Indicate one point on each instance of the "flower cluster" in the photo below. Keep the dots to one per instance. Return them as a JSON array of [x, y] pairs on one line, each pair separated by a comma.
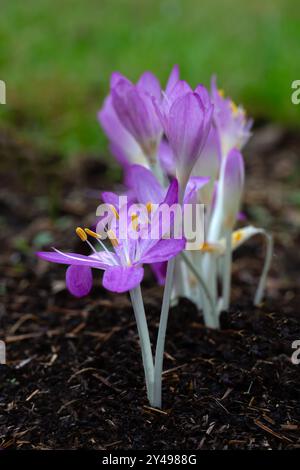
[[177, 146]]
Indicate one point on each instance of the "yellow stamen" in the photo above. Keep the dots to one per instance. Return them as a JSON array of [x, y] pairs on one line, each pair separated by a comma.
[[115, 212], [208, 248], [237, 236], [149, 207], [81, 234], [113, 239], [221, 92], [134, 221], [91, 233]]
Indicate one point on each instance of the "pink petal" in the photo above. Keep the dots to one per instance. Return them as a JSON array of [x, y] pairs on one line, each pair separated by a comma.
[[79, 280], [122, 279], [163, 250], [150, 84], [166, 158], [173, 79], [75, 259], [160, 271], [144, 185]]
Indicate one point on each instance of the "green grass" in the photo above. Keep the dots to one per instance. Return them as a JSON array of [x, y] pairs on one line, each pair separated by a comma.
[[56, 57]]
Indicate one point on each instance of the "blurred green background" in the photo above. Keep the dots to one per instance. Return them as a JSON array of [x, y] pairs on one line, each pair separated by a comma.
[[56, 57]]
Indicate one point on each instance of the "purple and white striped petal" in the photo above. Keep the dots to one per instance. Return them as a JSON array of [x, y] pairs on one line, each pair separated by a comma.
[[100, 261]]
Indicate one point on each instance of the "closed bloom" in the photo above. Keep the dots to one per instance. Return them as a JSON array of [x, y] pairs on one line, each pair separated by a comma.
[[230, 120], [186, 122], [134, 107], [234, 175], [129, 120]]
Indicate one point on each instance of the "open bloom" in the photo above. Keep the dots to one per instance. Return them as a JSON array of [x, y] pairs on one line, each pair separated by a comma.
[[123, 267], [230, 120]]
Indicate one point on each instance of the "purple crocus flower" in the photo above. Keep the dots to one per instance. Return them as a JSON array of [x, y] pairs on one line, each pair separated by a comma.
[[186, 119], [230, 120], [134, 107], [123, 267], [126, 134]]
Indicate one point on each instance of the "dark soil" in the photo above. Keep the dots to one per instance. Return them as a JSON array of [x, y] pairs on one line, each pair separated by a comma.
[[74, 378]]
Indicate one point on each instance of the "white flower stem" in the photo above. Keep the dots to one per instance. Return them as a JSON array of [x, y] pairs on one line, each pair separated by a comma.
[[199, 278], [208, 302], [262, 282], [209, 273], [209, 263], [140, 317], [227, 270], [181, 281], [160, 345]]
